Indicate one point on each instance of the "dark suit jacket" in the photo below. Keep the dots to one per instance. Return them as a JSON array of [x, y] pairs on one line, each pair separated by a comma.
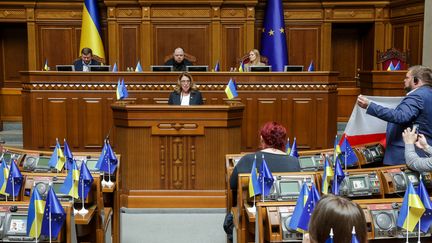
[[195, 98], [79, 65], [178, 66], [415, 108]]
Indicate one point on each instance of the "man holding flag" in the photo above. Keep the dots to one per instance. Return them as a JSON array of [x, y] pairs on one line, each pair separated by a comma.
[[415, 108]]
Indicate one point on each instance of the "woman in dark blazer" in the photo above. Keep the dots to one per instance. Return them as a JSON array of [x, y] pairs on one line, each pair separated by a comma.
[[185, 92]]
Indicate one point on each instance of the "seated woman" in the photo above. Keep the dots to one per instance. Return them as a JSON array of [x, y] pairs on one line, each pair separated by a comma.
[[254, 60], [273, 139], [413, 160], [185, 92], [341, 215]]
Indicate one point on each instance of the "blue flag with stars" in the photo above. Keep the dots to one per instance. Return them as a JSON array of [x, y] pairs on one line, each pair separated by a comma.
[[54, 214], [426, 219], [109, 162], [348, 153], [14, 181], [339, 176], [85, 181], [265, 178], [68, 155], [311, 202], [273, 39]]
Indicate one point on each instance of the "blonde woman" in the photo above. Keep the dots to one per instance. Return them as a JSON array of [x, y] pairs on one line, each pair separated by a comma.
[[254, 60]]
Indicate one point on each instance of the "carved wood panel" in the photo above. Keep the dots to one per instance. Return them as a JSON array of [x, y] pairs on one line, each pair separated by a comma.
[[55, 120], [303, 45], [57, 45], [232, 45], [92, 112], [129, 45]]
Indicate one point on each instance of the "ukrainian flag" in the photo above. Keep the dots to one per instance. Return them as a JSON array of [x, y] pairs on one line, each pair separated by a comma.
[[45, 68], [241, 67], [301, 202], [328, 175], [411, 211], [231, 90], [4, 174], [254, 186], [70, 185], [35, 214], [91, 35], [337, 149], [57, 159]]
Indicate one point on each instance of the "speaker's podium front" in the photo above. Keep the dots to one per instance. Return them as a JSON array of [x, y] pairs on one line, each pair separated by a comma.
[[173, 156]]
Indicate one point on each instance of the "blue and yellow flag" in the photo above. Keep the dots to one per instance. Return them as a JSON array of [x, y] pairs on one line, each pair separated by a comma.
[[411, 211], [241, 67], [327, 176], [85, 181], [54, 215], [231, 89], [35, 214], [45, 67], [288, 147], [254, 186], [70, 184], [115, 68], [68, 155], [138, 67], [391, 67], [301, 202], [57, 159], [336, 149], [4, 173], [91, 35], [311, 67], [15, 180], [121, 91], [294, 151], [426, 219], [309, 207], [273, 38]]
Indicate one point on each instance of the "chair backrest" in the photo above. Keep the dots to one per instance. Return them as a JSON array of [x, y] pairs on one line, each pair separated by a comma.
[[245, 59], [188, 57], [393, 56]]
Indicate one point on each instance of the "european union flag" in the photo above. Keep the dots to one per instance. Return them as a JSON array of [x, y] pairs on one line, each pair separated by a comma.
[[121, 91], [101, 156], [330, 239], [217, 67], [339, 176], [411, 211], [68, 155], [4, 173], [327, 176], [35, 214], [426, 219], [348, 154], [354, 236], [301, 202], [265, 178], [294, 151], [115, 68], [85, 181], [288, 147], [311, 67], [54, 215], [273, 39], [231, 89], [70, 185], [311, 202], [14, 181], [109, 162], [398, 66], [91, 34], [138, 67]]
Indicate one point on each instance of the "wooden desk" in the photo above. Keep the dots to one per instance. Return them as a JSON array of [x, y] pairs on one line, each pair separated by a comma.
[[76, 105]]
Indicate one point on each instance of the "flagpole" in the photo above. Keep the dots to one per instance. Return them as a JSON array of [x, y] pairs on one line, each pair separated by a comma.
[[407, 224], [419, 223], [110, 183], [262, 177], [13, 188], [36, 219], [49, 226]]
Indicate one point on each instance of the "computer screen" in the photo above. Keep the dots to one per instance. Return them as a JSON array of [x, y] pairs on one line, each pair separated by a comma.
[[57, 187], [306, 162], [161, 68], [17, 225], [293, 68], [197, 68], [65, 68], [91, 164], [43, 162], [358, 183], [99, 68], [260, 68], [289, 187]]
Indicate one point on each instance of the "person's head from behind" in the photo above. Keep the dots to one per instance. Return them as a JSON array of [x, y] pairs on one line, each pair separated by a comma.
[[273, 135], [417, 76], [86, 55], [340, 214], [178, 55], [185, 83], [254, 56]]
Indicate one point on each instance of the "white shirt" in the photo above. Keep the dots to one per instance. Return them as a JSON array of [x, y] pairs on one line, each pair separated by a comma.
[[184, 99]]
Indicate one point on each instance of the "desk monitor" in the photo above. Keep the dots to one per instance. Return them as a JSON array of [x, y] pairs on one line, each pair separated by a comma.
[[293, 68], [260, 68], [161, 68], [17, 225], [197, 68], [99, 68], [65, 68]]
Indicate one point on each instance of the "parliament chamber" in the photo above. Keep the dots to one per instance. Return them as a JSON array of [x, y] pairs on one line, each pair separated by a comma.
[[182, 157]]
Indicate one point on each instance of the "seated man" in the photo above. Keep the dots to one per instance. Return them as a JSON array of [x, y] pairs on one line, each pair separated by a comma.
[[178, 61], [86, 60]]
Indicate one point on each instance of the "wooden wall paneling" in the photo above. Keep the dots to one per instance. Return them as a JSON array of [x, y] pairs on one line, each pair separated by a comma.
[[129, 45], [92, 131], [321, 123], [10, 106], [113, 42], [55, 120], [232, 47], [249, 125], [368, 47], [347, 97], [326, 47], [268, 110], [415, 42], [108, 127], [56, 44], [302, 123], [216, 38], [194, 39], [74, 116], [286, 116], [304, 45], [147, 52], [345, 49], [399, 37]]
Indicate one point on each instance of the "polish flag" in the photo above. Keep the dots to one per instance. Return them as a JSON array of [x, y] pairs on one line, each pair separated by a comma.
[[363, 128]]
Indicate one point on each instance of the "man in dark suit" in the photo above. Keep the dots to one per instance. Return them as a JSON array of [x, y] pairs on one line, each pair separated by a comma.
[[178, 60], [415, 108], [85, 61]]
